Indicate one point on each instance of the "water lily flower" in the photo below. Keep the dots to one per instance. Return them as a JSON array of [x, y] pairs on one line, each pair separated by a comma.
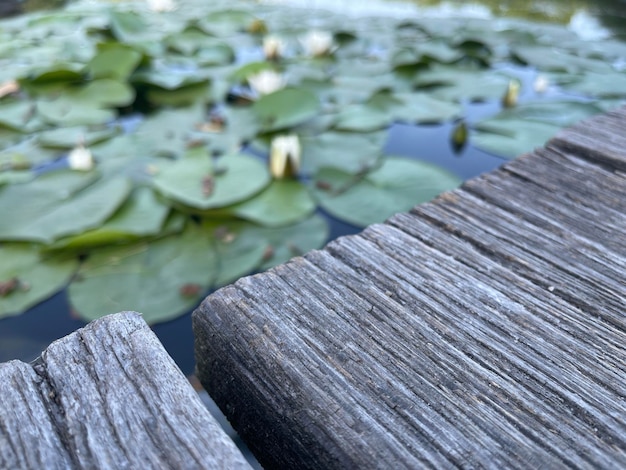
[[8, 88], [541, 84], [80, 158], [266, 82], [511, 95], [317, 43], [273, 47], [285, 156], [161, 5]]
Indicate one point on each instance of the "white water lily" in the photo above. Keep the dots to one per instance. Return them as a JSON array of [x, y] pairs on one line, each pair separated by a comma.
[[273, 47], [266, 82], [317, 43], [285, 156], [541, 84], [161, 5], [80, 158]]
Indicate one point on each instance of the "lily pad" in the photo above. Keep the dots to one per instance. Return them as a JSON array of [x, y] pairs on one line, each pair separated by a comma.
[[240, 250], [142, 215], [57, 204], [512, 137], [27, 278], [362, 118], [114, 60], [167, 132], [293, 240], [70, 137], [347, 151], [86, 105], [19, 116], [286, 108], [396, 186], [162, 279], [282, 203], [196, 182]]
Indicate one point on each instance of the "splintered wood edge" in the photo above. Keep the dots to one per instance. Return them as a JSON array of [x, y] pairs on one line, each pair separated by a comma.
[[108, 395]]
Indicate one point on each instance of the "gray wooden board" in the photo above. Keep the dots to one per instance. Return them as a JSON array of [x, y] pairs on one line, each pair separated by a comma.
[[483, 329], [107, 396]]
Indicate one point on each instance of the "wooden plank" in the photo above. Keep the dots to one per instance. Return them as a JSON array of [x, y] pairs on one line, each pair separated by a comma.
[[483, 329], [107, 396], [601, 139]]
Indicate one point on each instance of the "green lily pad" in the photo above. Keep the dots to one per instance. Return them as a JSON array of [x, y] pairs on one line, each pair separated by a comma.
[[362, 118], [550, 58], [86, 105], [251, 68], [600, 85], [162, 279], [182, 96], [19, 116], [283, 202], [70, 137], [347, 151], [195, 182], [128, 26], [286, 108], [114, 60], [11, 177], [512, 137], [240, 250], [293, 240], [560, 113], [142, 215], [27, 278], [396, 186], [422, 108], [455, 84], [167, 132], [226, 22], [25, 155], [58, 204]]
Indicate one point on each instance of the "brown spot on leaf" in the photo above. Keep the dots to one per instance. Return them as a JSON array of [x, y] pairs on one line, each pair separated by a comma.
[[190, 290], [8, 287]]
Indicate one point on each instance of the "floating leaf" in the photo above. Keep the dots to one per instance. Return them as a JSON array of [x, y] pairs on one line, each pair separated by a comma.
[[69, 137], [57, 204], [114, 60], [167, 132], [600, 85], [140, 216], [283, 202], [293, 240], [194, 181], [27, 278], [162, 279], [286, 108], [512, 137], [362, 118], [396, 186], [239, 248], [86, 105], [347, 151], [18, 116]]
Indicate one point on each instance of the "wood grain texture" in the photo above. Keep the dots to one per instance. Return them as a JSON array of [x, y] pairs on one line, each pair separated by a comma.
[[107, 396], [485, 329]]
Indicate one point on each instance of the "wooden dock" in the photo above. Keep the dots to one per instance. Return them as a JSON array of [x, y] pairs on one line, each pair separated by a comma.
[[485, 329], [107, 397]]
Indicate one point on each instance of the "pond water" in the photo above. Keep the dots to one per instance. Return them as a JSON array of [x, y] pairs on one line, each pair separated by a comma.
[[24, 336]]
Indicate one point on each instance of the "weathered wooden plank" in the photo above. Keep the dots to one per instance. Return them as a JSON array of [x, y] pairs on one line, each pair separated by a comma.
[[483, 329], [107, 396], [28, 435], [601, 139]]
